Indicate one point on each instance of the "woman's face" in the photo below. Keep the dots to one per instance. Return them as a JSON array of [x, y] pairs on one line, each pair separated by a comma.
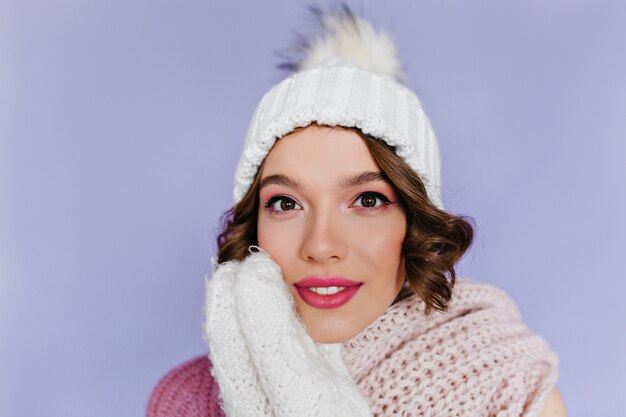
[[325, 211]]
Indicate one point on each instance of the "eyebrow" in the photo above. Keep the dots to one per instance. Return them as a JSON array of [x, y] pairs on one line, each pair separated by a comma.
[[345, 182]]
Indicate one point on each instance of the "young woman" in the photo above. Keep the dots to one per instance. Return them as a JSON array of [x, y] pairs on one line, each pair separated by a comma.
[[335, 292]]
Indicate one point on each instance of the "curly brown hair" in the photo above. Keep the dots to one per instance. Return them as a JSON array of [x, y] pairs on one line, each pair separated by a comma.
[[434, 242]]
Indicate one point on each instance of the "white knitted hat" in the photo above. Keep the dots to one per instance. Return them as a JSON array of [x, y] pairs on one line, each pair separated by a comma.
[[348, 78]]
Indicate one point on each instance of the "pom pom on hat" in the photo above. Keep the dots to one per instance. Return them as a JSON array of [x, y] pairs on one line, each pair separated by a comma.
[[349, 38]]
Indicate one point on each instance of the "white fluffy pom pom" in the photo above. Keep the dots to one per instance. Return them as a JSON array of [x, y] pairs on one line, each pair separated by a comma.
[[347, 37]]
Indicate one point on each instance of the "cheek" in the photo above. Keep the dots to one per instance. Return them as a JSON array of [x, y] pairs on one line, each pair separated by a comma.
[[383, 263], [381, 242], [277, 238]]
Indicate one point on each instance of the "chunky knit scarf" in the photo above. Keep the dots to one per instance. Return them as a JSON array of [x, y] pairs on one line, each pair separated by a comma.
[[476, 359]]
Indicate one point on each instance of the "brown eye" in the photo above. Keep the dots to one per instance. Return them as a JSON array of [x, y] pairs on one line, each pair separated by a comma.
[[281, 203], [371, 200], [368, 200], [287, 204]]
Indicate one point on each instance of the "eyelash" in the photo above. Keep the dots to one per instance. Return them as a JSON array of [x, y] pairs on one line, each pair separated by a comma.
[[385, 202]]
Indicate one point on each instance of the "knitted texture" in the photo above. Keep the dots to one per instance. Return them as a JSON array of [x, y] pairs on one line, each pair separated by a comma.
[[342, 94], [476, 359], [189, 390]]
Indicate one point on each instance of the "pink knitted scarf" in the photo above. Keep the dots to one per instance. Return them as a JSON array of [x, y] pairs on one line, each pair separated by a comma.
[[476, 359]]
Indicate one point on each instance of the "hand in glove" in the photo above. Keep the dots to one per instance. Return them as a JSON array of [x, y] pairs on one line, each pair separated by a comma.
[[264, 361]]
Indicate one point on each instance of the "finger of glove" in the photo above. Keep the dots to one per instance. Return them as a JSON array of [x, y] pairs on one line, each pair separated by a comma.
[[239, 383], [297, 379]]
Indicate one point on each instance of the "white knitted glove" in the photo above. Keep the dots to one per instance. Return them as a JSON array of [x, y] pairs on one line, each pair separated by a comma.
[[264, 361]]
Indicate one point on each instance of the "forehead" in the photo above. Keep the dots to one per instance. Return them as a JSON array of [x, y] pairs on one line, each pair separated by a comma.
[[319, 149]]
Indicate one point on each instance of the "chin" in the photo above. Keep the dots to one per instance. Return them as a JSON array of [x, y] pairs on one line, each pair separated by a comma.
[[330, 339], [320, 335]]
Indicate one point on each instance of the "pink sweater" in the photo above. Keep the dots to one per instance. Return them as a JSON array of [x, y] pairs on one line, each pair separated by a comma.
[[476, 359], [186, 391]]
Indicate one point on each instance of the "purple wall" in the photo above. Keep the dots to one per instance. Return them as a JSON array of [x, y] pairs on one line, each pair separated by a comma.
[[121, 125]]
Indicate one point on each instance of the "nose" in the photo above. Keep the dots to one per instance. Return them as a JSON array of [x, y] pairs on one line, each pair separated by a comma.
[[324, 238]]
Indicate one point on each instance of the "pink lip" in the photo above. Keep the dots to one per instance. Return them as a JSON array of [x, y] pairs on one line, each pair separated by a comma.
[[329, 300]]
